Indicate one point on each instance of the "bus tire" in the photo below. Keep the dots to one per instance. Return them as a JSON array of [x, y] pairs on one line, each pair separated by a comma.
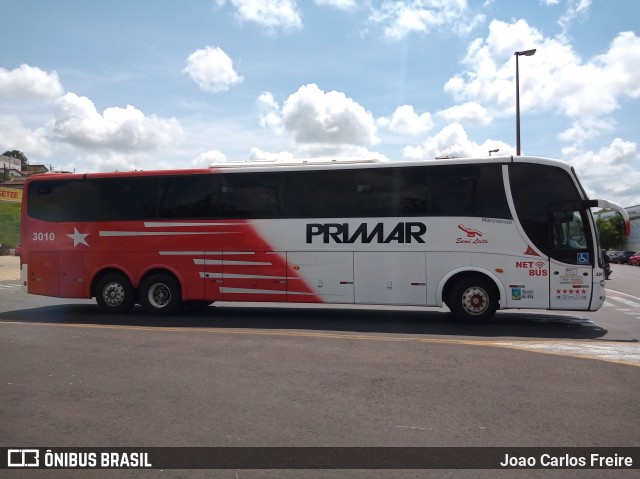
[[160, 294], [114, 293], [473, 300]]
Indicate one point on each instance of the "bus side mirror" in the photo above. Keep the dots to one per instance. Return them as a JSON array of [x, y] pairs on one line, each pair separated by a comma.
[[618, 208]]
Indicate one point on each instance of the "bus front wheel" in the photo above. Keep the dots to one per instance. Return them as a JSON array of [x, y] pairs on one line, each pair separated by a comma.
[[114, 293], [160, 294], [473, 300]]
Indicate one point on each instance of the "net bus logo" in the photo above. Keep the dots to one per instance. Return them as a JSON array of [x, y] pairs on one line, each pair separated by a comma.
[[23, 458], [538, 270]]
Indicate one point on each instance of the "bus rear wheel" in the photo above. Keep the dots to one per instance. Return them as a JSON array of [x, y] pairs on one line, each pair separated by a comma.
[[473, 300], [114, 293], [160, 294]]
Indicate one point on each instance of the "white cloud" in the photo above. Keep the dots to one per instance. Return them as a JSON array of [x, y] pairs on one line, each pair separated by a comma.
[[453, 141], [106, 161], [490, 78], [554, 80], [15, 136], [341, 4], [319, 150], [270, 113], [212, 69], [270, 14], [256, 154], [405, 121], [122, 129], [586, 129], [401, 18], [471, 112], [204, 160], [316, 117], [613, 172], [27, 82], [577, 9]]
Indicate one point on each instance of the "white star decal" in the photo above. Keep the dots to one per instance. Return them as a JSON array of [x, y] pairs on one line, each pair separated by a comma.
[[78, 238]]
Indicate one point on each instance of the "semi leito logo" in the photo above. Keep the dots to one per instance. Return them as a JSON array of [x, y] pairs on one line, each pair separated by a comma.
[[474, 236], [471, 233]]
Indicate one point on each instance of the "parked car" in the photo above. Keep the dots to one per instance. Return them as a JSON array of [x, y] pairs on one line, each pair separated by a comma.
[[635, 259], [4, 249], [623, 257], [612, 253], [18, 251]]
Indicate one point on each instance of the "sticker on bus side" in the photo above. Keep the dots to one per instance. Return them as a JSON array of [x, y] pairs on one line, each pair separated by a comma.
[[339, 233]]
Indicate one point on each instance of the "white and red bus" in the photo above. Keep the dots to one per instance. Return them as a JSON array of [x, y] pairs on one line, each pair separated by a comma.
[[476, 234]]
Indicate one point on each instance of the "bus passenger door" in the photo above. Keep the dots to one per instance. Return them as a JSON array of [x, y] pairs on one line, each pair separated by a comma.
[[572, 261]]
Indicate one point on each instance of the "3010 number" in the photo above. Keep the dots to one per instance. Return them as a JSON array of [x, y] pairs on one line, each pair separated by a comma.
[[44, 236]]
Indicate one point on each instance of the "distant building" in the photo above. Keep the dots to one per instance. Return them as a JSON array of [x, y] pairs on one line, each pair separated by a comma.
[[36, 169], [633, 241], [8, 163], [12, 172], [15, 182]]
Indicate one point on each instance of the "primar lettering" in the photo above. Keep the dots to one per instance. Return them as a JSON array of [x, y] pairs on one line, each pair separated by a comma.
[[340, 233]]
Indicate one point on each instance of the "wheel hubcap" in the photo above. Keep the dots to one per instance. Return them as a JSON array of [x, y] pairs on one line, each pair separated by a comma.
[[113, 294], [475, 300], [159, 295]]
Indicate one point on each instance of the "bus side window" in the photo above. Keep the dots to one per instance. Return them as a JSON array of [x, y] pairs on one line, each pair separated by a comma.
[[567, 229], [190, 197], [543, 196], [74, 200], [127, 199], [321, 194], [252, 195]]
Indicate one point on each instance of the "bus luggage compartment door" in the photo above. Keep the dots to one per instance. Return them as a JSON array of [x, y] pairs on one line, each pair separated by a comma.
[[71, 276], [329, 275], [43, 273], [391, 278]]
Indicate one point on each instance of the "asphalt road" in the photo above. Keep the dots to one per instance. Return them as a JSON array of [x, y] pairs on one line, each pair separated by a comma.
[[286, 376]]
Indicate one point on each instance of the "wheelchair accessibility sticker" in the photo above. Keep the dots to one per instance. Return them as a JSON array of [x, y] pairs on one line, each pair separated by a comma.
[[583, 258]]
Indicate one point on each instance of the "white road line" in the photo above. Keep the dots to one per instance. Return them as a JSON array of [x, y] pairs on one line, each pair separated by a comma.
[[625, 301], [623, 294], [9, 286]]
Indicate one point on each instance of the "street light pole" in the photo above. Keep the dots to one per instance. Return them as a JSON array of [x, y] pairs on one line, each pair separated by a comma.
[[526, 53]]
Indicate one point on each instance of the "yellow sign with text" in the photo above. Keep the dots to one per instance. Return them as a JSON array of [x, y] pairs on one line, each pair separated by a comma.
[[10, 195]]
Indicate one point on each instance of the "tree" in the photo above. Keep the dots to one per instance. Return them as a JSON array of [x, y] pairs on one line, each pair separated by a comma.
[[611, 232], [19, 156]]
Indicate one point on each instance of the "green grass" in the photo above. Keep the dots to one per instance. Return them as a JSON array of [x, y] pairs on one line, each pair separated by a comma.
[[10, 224]]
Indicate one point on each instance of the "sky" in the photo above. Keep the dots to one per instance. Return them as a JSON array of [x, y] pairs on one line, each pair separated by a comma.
[[89, 85]]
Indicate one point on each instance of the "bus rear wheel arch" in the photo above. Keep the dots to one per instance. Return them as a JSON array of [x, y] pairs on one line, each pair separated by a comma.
[[114, 293], [160, 294], [473, 299]]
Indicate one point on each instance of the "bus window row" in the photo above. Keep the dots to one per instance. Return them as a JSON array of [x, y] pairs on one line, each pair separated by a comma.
[[448, 190]]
